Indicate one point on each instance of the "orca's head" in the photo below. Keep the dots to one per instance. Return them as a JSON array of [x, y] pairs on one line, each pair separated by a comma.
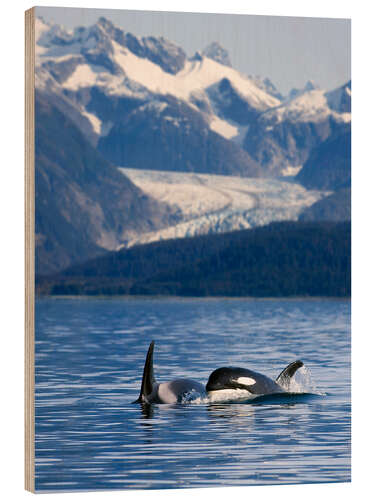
[[230, 378]]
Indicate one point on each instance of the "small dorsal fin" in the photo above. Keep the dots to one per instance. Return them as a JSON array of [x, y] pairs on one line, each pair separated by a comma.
[[148, 379], [288, 372]]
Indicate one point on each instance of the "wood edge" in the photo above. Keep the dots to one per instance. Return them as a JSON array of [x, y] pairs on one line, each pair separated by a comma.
[[29, 206]]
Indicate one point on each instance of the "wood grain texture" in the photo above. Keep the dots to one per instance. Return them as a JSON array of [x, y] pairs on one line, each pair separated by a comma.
[[29, 247]]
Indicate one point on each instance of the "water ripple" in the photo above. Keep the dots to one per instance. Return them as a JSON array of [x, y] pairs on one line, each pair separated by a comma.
[[89, 361]]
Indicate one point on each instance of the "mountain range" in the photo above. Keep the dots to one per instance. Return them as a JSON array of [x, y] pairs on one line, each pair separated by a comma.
[[107, 99]]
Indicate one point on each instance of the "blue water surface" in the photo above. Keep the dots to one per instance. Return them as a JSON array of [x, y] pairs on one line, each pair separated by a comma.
[[89, 362]]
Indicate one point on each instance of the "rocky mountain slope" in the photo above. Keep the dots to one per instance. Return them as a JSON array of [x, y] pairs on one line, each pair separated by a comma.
[[84, 205], [329, 167], [170, 135], [335, 207], [329, 164]]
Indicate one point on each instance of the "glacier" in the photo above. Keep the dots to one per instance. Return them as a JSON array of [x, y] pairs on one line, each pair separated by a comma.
[[207, 203]]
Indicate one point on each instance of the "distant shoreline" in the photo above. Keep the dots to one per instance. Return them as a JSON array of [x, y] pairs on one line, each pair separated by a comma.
[[185, 298]]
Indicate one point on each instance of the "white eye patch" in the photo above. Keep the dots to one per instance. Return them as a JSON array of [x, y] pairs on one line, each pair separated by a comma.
[[246, 381]]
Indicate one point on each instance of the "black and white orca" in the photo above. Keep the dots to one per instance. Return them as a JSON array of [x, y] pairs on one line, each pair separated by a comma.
[[226, 383], [231, 382], [166, 392]]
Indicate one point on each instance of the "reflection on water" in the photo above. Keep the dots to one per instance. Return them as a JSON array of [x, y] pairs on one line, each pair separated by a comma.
[[89, 363]]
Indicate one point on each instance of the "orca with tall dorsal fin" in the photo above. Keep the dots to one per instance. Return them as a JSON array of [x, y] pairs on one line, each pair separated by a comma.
[[166, 392], [226, 383]]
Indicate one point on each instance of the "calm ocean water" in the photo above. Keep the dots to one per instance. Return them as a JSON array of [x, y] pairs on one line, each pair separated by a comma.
[[89, 362]]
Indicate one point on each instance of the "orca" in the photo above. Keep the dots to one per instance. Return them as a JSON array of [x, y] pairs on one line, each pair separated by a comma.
[[225, 383], [229, 382], [166, 392]]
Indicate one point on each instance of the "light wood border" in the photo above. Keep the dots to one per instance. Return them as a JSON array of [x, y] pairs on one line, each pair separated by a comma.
[[29, 247]]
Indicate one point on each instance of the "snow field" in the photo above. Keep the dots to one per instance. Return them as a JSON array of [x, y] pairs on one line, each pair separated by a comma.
[[216, 204]]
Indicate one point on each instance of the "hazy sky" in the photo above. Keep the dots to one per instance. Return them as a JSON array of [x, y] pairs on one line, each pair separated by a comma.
[[288, 50]]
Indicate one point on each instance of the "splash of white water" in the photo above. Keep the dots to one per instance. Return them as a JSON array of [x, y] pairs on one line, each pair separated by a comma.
[[302, 382]]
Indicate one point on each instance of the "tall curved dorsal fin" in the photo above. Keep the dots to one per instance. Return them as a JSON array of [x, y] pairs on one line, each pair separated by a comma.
[[288, 372], [148, 379]]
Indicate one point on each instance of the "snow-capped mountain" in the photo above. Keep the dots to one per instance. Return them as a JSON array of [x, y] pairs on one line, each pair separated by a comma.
[[105, 56], [285, 135], [102, 59], [311, 106], [57, 42], [101, 75], [141, 103]]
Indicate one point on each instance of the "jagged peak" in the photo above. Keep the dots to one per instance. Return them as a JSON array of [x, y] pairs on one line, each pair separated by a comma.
[[151, 42], [268, 86], [197, 56], [159, 42], [49, 33], [105, 23], [311, 85], [339, 99], [216, 52], [98, 37]]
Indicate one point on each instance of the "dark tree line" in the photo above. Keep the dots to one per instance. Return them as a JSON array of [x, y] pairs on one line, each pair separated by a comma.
[[281, 259]]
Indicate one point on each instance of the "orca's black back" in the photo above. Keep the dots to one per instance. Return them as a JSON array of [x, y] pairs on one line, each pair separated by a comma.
[[229, 377]]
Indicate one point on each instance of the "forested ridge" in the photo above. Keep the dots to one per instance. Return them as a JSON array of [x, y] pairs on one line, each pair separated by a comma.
[[281, 259]]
